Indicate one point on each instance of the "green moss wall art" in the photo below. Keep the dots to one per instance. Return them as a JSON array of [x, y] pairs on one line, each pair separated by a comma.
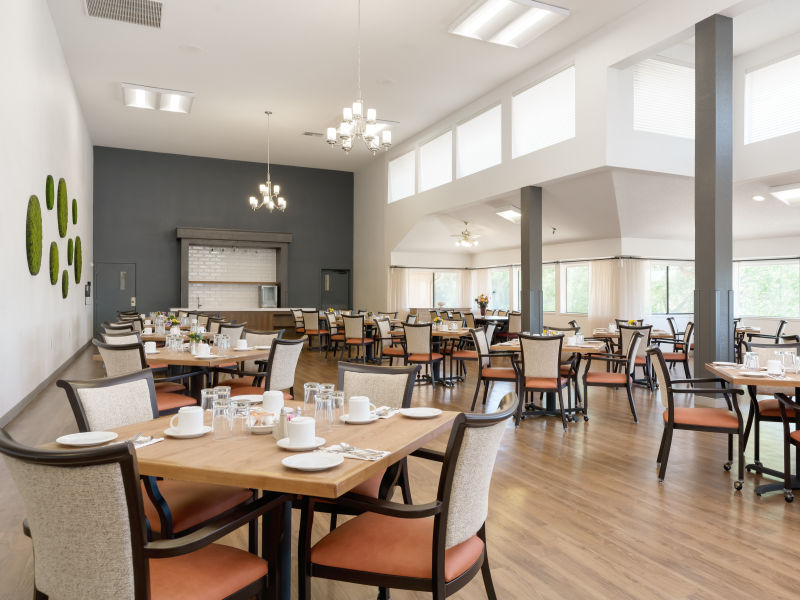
[[53, 263], [62, 208], [33, 235], [70, 250], [49, 194], [64, 283], [78, 260], [74, 211]]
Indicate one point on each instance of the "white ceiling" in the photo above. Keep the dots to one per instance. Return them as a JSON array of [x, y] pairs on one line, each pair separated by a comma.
[[297, 59]]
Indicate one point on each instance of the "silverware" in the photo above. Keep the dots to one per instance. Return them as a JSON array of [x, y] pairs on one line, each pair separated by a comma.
[[136, 437]]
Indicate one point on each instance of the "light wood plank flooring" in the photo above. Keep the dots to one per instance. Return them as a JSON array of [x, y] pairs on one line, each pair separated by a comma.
[[576, 514]]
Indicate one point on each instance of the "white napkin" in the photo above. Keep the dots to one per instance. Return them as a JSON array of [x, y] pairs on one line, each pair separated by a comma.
[[357, 453], [138, 445], [386, 412]]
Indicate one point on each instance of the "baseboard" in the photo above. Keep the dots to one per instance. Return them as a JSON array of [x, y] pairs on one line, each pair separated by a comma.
[[20, 406]]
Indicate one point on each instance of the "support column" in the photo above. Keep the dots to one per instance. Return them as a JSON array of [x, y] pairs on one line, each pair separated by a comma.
[[713, 190], [531, 246]]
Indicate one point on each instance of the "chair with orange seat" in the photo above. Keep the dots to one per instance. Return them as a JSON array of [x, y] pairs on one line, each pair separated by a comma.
[[540, 371], [681, 354], [335, 337], [355, 337], [254, 338], [96, 492], [275, 373], [486, 372], [419, 349], [626, 333], [436, 547], [715, 420], [313, 328], [389, 347], [613, 379], [790, 415]]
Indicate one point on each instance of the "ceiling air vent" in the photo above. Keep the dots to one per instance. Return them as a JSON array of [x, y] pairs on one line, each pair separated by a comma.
[[136, 12], [313, 134]]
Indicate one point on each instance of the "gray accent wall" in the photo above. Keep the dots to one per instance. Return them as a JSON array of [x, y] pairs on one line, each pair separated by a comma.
[[141, 198]]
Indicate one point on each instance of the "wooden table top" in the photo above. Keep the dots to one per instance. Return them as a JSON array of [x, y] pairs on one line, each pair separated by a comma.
[[162, 337], [254, 461], [654, 333], [585, 348], [491, 318], [451, 333], [733, 375], [171, 357]]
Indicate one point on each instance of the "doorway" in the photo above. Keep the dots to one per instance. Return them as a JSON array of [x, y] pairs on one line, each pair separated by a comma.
[[115, 290], [335, 289]]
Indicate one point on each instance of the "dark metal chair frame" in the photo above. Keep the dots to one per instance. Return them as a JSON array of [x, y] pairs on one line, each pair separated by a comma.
[[524, 406], [625, 363]]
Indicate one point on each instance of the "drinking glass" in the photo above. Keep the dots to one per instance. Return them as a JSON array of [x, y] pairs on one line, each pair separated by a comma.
[[579, 337], [240, 416], [337, 405], [751, 360], [223, 392], [323, 411], [207, 398], [221, 419], [326, 388], [309, 391]]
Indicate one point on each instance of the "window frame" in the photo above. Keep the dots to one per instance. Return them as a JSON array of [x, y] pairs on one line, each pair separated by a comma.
[[669, 264], [565, 286], [456, 136]]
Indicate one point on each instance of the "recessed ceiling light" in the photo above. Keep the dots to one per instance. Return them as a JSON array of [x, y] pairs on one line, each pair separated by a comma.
[[788, 194], [759, 198], [510, 214], [512, 23], [142, 96]]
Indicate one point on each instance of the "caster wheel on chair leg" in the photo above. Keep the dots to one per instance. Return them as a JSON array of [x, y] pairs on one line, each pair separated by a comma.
[[585, 417], [759, 464], [737, 485], [788, 496], [727, 466]]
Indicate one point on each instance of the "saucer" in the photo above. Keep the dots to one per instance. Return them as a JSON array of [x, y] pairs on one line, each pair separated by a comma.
[[284, 443], [261, 429], [346, 419], [313, 461], [251, 398], [241, 349], [420, 412], [204, 355], [87, 438], [172, 432]]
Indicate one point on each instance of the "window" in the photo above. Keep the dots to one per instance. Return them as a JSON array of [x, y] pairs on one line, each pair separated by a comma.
[[500, 283], [478, 143], [447, 288], [576, 289], [420, 289], [544, 114], [401, 177], [768, 289], [549, 289], [436, 162], [772, 100], [663, 98], [671, 288]]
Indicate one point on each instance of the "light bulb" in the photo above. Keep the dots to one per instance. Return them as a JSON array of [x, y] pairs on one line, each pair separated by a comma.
[[276, 189], [386, 138], [281, 202], [372, 115], [331, 135], [347, 114], [357, 110], [262, 188], [253, 201]]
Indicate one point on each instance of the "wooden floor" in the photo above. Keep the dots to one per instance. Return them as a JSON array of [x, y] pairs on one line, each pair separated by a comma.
[[576, 514]]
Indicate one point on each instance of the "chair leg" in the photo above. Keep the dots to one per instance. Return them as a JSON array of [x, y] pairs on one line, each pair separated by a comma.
[[405, 485], [334, 516], [520, 406], [740, 470], [485, 393], [756, 443], [485, 570], [787, 471], [561, 406], [661, 446], [585, 400], [433, 379], [665, 453], [383, 594], [686, 366], [631, 402]]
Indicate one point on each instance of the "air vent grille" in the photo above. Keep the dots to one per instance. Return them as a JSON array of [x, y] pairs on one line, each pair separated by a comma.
[[312, 133], [136, 12]]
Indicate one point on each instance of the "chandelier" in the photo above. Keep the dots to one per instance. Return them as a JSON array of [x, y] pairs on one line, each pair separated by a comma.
[[466, 239], [355, 123], [269, 191]]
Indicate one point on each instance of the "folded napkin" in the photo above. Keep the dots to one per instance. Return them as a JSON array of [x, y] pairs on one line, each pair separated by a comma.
[[358, 453], [386, 412], [142, 444]]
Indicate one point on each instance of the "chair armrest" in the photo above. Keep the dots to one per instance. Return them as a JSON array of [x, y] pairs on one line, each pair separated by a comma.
[[701, 380], [215, 529], [26, 528], [608, 357], [765, 336], [718, 391], [500, 353], [429, 454], [388, 508], [177, 377]]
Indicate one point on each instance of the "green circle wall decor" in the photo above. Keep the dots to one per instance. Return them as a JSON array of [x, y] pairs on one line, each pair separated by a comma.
[[78, 259], [64, 283], [74, 211], [33, 235], [53, 263], [70, 250], [49, 195], [61, 208]]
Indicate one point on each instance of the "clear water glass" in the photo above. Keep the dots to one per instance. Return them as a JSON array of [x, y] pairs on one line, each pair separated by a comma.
[[221, 419], [337, 405], [207, 398], [310, 390], [323, 411], [326, 388], [240, 416], [223, 392]]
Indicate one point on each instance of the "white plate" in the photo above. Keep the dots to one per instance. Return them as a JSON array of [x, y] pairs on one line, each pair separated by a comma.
[[346, 419], [420, 412], [313, 461], [205, 356], [260, 429], [87, 438], [172, 432], [153, 352], [753, 373], [261, 347], [722, 363], [284, 443], [241, 349], [251, 398]]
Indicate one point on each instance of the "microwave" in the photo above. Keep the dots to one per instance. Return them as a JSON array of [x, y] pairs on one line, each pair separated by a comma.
[[268, 296]]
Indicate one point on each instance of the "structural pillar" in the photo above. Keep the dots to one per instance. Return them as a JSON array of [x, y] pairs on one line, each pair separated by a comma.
[[713, 191], [531, 269]]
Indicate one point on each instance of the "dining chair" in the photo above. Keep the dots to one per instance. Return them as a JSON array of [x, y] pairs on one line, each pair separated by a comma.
[[125, 337], [574, 324], [312, 327], [116, 327], [182, 314], [233, 330], [419, 349], [254, 338], [134, 320], [334, 336], [172, 507], [388, 315], [766, 410], [275, 373], [432, 314], [683, 355], [130, 358], [388, 346], [716, 420], [764, 336], [436, 547], [202, 320], [626, 334], [355, 337], [540, 371], [299, 325], [486, 372], [514, 326], [86, 519], [613, 379], [214, 324], [790, 415], [469, 320]]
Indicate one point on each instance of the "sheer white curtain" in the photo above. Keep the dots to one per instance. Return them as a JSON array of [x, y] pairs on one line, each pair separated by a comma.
[[398, 291], [466, 290], [634, 289], [480, 285], [603, 285]]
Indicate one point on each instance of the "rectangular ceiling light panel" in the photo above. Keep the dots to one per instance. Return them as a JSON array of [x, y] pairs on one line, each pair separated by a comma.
[[510, 214], [142, 96], [788, 194], [513, 23]]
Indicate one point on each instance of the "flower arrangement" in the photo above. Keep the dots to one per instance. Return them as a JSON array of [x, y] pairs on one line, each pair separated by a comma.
[[632, 322], [546, 332], [482, 300], [174, 321], [437, 320], [330, 310], [196, 337], [370, 314]]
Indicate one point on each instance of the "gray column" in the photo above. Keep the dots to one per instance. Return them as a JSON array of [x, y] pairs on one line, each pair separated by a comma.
[[713, 187], [531, 243]]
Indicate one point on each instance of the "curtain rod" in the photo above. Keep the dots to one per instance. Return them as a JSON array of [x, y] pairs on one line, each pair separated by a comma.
[[555, 262]]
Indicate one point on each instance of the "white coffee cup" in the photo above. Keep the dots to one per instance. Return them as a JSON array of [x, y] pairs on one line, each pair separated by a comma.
[[201, 329], [302, 431], [149, 347], [572, 340], [148, 322], [273, 401], [190, 420], [203, 349], [241, 344], [148, 331], [774, 367], [358, 408]]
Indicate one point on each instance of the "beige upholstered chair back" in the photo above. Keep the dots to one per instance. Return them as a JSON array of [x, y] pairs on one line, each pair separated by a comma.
[[121, 360], [182, 314], [258, 338], [202, 320], [541, 355], [285, 354], [214, 325], [310, 320], [120, 339], [469, 320], [232, 331], [418, 339], [501, 313], [662, 375], [687, 337], [117, 328], [80, 527], [333, 327], [635, 345], [353, 327], [514, 322], [626, 333], [490, 327], [384, 329], [432, 314], [382, 389], [482, 344], [411, 319], [387, 315]]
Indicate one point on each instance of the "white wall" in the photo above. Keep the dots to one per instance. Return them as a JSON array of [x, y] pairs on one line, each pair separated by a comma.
[[43, 132]]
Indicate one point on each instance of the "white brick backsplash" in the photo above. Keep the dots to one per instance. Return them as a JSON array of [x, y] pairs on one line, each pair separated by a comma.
[[211, 263]]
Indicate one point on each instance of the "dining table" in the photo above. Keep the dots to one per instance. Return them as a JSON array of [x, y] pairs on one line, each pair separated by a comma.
[[738, 375], [162, 337], [606, 334], [255, 461]]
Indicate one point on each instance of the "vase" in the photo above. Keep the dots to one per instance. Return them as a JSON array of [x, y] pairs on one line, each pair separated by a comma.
[[483, 311]]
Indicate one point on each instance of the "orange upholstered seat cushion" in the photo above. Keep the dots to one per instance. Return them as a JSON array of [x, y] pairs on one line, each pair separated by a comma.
[[168, 387], [705, 417], [795, 435], [425, 357], [465, 354], [393, 351], [170, 401], [565, 369], [312, 332], [607, 378], [300, 329], [674, 356], [193, 503], [392, 546], [499, 373], [769, 408], [371, 486], [337, 337], [247, 391], [544, 383], [215, 571], [239, 382], [356, 341], [640, 361]]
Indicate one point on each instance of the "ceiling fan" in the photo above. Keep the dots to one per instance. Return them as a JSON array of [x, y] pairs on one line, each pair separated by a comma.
[[466, 239]]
